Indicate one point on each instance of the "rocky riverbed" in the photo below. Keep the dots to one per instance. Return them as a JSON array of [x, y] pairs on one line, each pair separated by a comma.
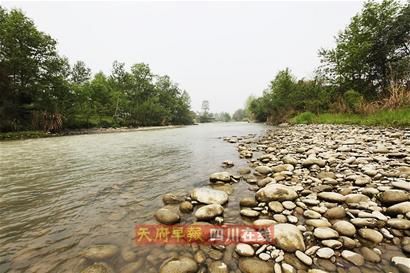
[[338, 198]]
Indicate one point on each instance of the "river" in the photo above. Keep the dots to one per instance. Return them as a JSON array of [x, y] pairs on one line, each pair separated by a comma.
[[60, 195]]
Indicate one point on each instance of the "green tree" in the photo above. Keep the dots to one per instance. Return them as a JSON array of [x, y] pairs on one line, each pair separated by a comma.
[[35, 72], [372, 50], [80, 73]]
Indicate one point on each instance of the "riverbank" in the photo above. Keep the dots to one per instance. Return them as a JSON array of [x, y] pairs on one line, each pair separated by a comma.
[[41, 134], [394, 118], [337, 196]]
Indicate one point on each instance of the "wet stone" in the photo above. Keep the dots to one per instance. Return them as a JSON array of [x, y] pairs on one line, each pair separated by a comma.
[[100, 252]]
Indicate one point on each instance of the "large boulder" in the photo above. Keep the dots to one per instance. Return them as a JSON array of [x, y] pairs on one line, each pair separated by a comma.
[[209, 196], [276, 192], [288, 237], [209, 212]]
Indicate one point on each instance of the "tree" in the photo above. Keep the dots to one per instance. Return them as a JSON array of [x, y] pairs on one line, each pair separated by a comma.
[[35, 72], [372, 50], [205, 116], [80, 73], [205, 107], [39, 90], [239, 115]]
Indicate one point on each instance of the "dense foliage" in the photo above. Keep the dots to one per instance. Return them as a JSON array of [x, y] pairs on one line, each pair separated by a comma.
[[40, 90], [371, 55]]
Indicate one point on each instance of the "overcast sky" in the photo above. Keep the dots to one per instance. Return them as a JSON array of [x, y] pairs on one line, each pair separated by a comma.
[[217, 51]]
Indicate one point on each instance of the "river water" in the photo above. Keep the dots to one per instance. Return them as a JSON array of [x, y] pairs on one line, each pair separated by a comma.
[[60, 195]]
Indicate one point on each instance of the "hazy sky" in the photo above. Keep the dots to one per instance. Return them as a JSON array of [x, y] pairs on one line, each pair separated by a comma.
[[219, 51]]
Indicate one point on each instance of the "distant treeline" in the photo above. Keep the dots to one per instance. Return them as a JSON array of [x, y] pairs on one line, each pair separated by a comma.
[[40, 90], [367, 71]]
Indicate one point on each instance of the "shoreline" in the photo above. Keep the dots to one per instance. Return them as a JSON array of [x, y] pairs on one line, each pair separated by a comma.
[[22, 135], [336, 196]]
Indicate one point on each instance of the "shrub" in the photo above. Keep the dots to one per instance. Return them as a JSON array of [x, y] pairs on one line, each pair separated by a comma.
[[304, 118], [353, 100]]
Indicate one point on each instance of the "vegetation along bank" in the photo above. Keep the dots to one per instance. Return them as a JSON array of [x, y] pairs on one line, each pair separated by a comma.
[[365, 79]]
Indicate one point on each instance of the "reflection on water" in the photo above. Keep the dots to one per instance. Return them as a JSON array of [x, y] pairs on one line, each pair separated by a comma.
[[59, 195]]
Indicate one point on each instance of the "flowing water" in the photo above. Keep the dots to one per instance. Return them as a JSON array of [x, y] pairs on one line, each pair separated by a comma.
[[60, 195]]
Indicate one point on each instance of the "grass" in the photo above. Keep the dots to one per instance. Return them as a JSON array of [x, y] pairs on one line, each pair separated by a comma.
[[395, 118], [23, 135]]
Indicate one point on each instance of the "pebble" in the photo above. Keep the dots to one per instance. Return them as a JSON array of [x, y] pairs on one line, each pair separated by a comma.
[[244, 250], [353, 257], [371, 235], [303, 257], [325, 252], [325, 233]]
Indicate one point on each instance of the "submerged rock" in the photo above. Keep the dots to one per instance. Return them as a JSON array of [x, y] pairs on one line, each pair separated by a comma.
[[181, 265], [248, 202], [132, 267], [167, 216], [100, 252], [98, 268], [218, 267]]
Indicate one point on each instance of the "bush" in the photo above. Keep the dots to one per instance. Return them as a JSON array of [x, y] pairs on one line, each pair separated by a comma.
[[304, 118], [353, 100]]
